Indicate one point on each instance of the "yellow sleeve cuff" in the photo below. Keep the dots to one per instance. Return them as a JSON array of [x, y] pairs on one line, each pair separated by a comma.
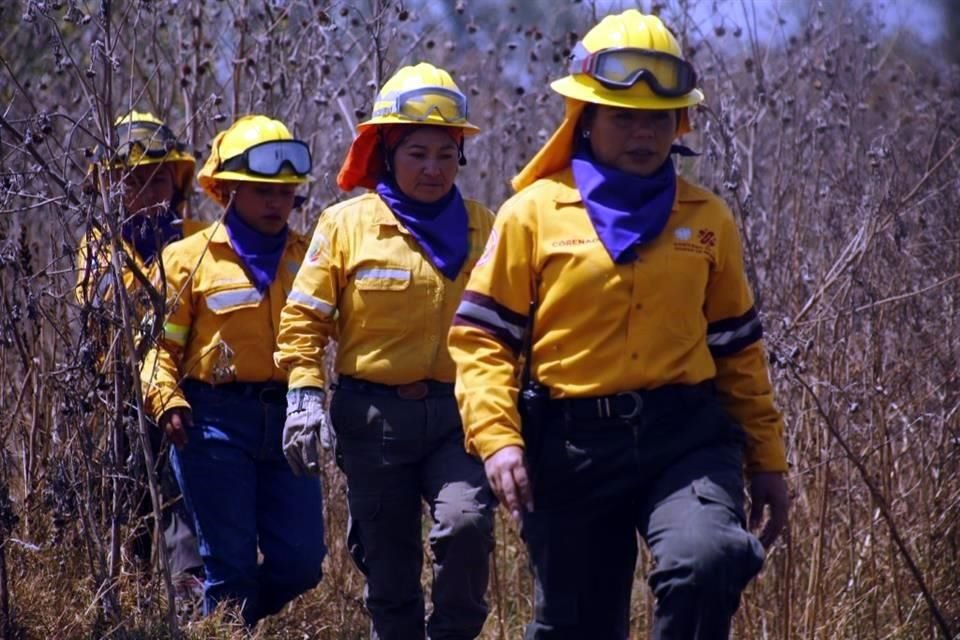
[[304, 377]]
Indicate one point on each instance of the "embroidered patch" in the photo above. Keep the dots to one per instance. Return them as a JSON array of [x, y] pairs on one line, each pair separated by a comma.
[[703, 243], [319, 248]]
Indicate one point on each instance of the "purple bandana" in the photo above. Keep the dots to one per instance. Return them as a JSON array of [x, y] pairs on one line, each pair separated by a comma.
[[625, 209], [259, 252], [440, 228], [149, 234]]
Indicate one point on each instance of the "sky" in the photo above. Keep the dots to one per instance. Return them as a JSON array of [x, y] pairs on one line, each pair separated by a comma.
[[919, 16]]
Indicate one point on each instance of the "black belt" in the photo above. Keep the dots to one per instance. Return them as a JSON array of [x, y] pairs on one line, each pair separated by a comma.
[[628, 405], [412, 391], [265, 392]]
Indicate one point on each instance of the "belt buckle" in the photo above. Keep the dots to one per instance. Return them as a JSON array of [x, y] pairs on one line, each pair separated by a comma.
[[637, 404], [414, 391]]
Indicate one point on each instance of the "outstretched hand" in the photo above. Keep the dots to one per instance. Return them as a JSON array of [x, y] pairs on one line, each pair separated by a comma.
[[508, 478]]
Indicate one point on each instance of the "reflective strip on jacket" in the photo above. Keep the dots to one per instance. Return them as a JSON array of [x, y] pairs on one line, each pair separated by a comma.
[[366, 281], [681, 313], [219, 327]]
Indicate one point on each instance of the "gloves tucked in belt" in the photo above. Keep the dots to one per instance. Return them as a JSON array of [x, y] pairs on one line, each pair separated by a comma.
[[306, 423]]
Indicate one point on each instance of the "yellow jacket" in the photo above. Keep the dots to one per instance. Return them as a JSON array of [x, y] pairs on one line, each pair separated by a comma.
[[681, 313], [219, 328], [94, 282], [366, 281]]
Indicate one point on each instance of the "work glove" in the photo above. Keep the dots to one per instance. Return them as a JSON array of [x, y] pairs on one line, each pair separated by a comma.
[[306, 421]]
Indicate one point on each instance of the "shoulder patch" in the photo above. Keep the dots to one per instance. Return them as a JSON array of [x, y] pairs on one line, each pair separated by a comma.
[[319, 248]]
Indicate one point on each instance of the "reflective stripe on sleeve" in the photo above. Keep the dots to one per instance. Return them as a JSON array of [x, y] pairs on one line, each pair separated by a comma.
[[485, 313], [728, 336], [298, 297], [176, 333]]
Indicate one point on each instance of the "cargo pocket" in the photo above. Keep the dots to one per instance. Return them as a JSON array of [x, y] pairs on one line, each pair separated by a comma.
[[709, 492], [741, 550]]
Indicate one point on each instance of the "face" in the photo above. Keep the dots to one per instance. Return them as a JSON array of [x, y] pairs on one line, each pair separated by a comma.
[[263, 205], [635, 141], [425, 164], [148, 188]]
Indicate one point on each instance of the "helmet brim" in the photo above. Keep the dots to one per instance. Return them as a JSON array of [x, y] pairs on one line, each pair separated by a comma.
[[469, 129], [640, 96]]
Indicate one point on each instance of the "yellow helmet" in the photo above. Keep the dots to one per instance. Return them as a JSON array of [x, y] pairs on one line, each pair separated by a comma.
[[255, 148], [144, 139], [630, 60], [421, 94]]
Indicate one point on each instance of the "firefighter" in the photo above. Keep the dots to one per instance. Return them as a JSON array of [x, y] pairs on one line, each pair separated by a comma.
[[645, 394], [384, 274], [154, 171], [211, 383]]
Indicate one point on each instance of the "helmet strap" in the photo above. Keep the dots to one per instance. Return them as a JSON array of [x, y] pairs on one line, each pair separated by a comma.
[[461, 158]]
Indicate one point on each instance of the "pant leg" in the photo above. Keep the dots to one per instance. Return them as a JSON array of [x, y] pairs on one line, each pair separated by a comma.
[[581, 536], [183, 554], [217, 472], [380, 440], [455, 486], [693, 522], [289, 524]]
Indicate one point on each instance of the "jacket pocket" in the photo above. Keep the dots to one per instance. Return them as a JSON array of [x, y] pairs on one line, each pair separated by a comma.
[[225, 300], [384, 295]]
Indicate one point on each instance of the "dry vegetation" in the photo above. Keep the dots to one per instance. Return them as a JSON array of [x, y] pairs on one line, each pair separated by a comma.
[[835, 143]]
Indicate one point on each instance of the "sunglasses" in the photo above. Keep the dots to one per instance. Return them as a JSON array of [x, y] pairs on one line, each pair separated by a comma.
[[622, 67], [419, 104], [271, 158]]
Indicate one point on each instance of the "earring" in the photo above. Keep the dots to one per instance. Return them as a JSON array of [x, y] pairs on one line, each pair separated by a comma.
[[585, 134]]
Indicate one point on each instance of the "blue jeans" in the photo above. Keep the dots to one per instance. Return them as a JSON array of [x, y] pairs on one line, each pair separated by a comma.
[[396, 454], [676, 478], [244, 497]]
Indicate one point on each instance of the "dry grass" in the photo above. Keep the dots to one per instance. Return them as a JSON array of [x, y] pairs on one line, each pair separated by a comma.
[[835, 143]]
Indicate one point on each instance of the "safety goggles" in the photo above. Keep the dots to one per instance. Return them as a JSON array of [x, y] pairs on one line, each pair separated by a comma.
[[419, 104], [622, 67], [271, 157], [136, 140]]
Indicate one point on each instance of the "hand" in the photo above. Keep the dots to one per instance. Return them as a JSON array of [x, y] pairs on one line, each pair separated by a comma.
[[769, 489], [175, 423], [306, 420], [508, 478]]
